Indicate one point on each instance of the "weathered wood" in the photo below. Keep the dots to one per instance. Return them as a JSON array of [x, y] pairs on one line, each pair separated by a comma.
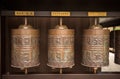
[[63, 76]]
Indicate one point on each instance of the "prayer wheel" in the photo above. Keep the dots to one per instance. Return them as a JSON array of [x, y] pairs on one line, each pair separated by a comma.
[[25, 47], [117, 46], [61, 47], [95, 47]]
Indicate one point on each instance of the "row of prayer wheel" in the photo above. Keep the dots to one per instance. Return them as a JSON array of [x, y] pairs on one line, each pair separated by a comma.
[[25, 47]]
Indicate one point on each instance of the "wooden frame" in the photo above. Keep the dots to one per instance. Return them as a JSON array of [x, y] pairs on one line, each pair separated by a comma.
[[58, 76], [63, 76], [0, 48]]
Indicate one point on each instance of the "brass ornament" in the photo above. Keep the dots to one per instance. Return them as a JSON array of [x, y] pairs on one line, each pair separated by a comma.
[[95, 47], [25, 47], [61, 47]]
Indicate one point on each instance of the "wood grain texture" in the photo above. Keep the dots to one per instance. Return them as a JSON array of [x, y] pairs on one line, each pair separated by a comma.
[[63, 76]]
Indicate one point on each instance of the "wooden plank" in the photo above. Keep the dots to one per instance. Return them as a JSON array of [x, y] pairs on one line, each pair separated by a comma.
[[0, 47], [63, 76], [113, 14], [61, 13]]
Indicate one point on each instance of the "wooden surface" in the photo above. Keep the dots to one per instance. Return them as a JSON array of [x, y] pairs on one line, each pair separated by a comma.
[[63, 76], [0, 47]]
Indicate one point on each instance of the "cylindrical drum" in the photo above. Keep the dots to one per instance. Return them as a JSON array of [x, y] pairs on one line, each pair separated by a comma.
[[117, 46], [61, 48], [95, 47], [25, 47]]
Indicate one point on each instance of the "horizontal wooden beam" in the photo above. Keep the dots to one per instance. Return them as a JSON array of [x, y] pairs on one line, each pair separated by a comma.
[[63, 76], [61, 13]]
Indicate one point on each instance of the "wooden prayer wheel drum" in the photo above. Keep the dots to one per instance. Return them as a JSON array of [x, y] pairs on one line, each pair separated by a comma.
[[117, 46], [25, 47], [95, 47], [61, 47]]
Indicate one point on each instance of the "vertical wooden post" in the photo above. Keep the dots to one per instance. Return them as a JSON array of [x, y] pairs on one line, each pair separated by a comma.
[[0, 50]]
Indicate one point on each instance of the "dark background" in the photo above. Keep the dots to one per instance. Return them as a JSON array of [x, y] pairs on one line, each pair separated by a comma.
[[71, 5]]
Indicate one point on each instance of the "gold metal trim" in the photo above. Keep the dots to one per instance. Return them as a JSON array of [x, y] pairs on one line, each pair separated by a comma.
[[97, 13], [24, 13], [57, 13]]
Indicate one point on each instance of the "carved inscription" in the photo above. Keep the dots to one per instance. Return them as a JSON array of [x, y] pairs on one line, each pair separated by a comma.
[[61, 41], [95, 50], [25, 51], [25, 40], [61, 51]]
